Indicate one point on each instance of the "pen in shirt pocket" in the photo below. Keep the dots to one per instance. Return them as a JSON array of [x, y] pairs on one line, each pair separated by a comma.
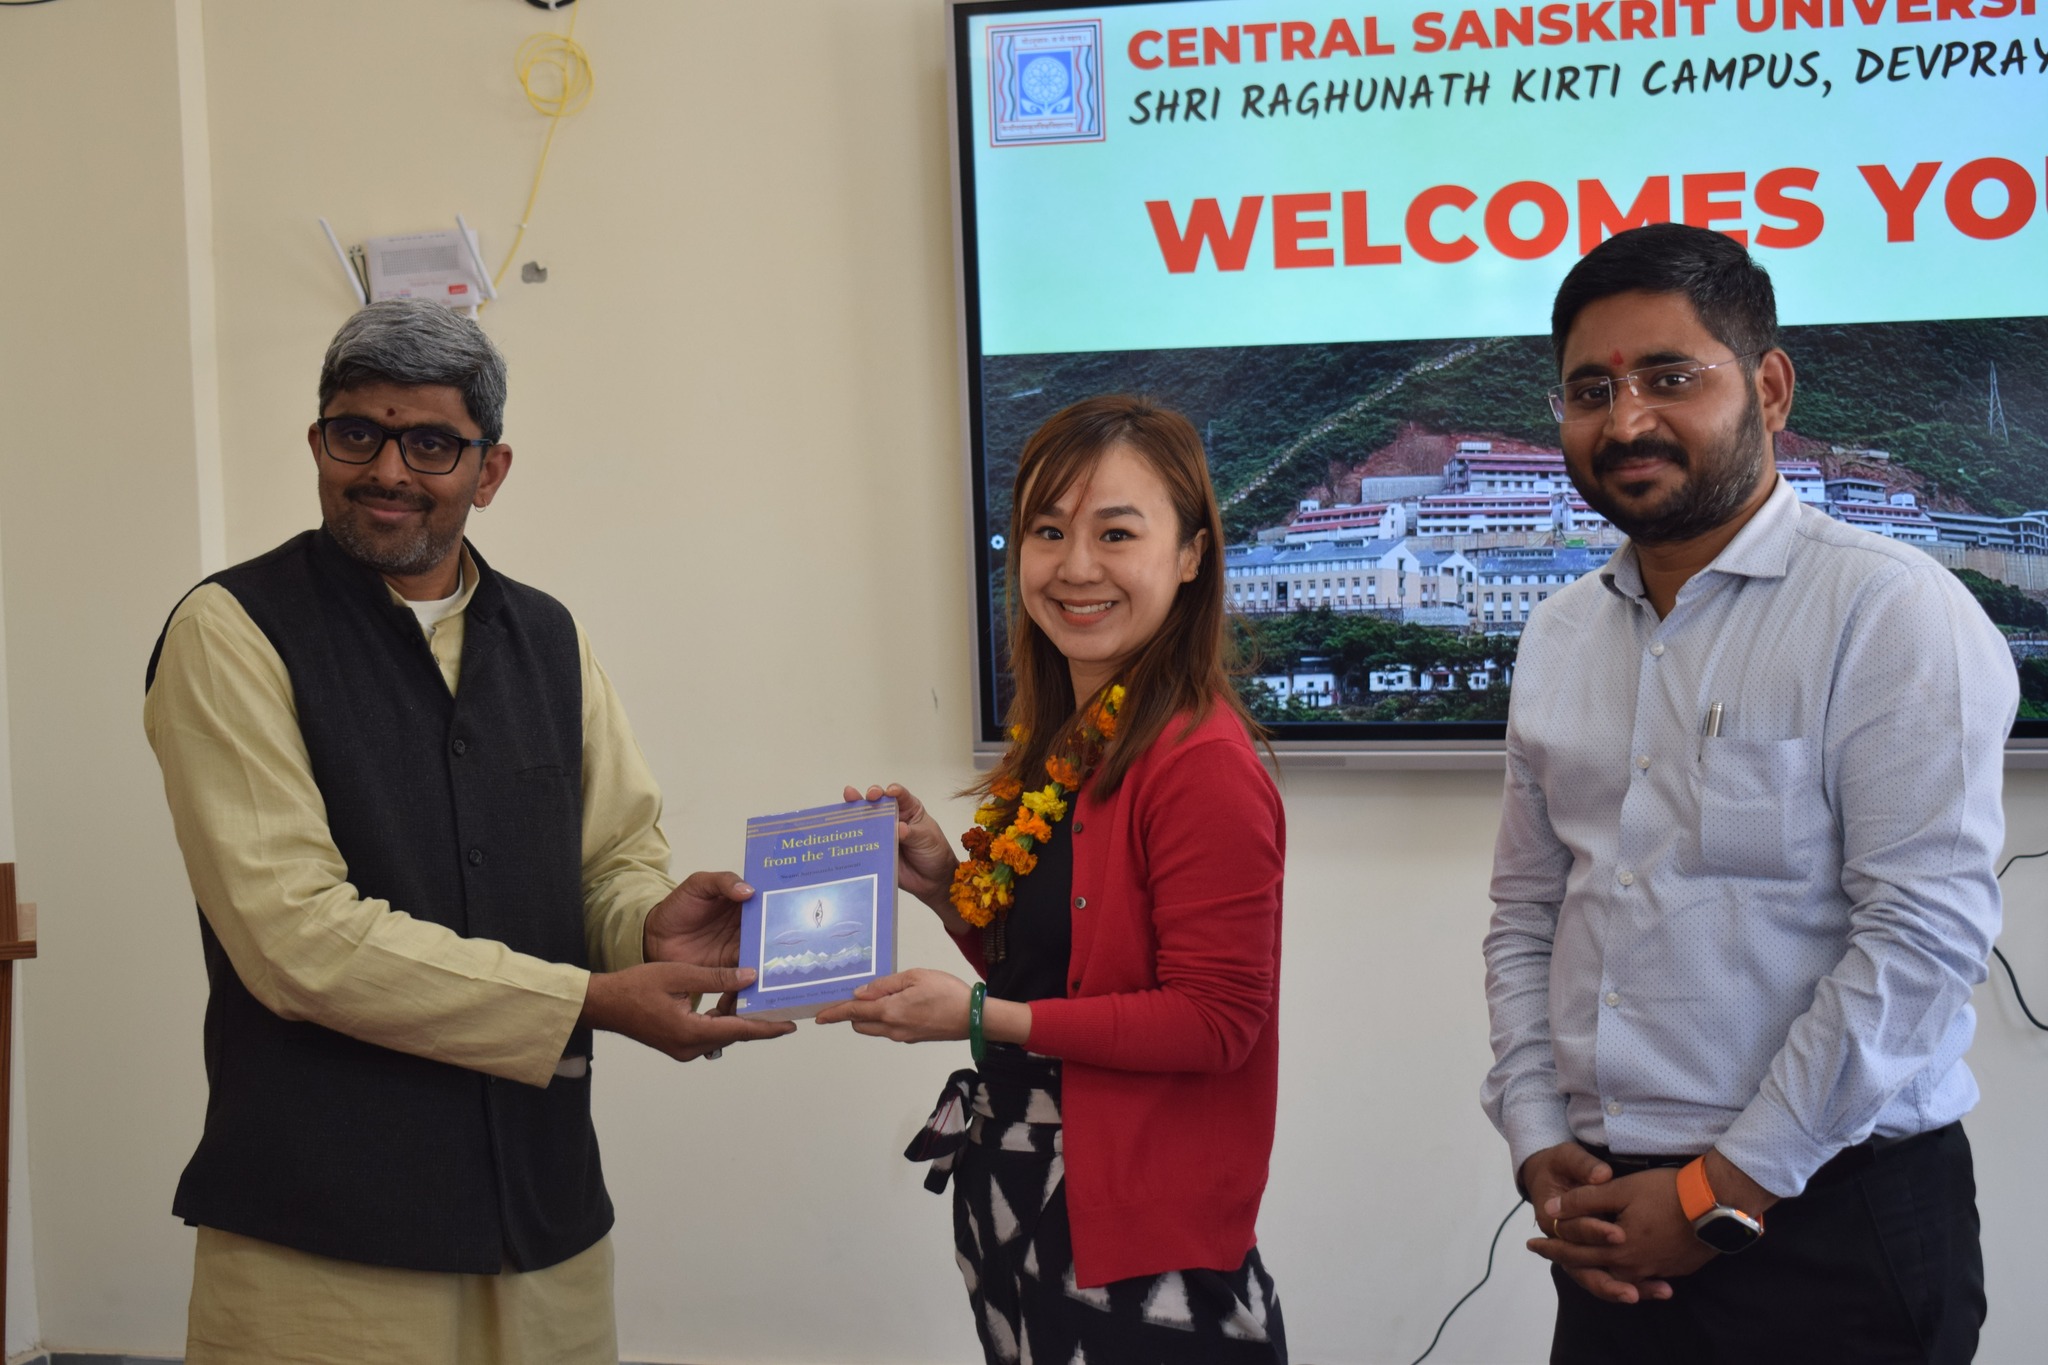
[[1710, 728]]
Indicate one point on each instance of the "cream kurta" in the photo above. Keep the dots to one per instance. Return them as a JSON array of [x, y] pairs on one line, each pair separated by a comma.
[[251, 822], [253, 828]]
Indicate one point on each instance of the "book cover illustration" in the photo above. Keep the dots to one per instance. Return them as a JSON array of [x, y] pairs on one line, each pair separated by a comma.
[[823, 917]]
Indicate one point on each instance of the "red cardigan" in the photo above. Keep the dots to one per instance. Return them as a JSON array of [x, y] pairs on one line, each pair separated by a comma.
[[1170, 1029]]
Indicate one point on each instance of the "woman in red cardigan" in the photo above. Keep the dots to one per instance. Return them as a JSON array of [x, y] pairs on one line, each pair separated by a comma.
[[1121, 903]]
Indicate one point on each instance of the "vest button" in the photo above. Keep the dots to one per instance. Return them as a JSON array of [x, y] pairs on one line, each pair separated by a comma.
[[1078, 827], [460, 746], [1080, 902], [476, 857]]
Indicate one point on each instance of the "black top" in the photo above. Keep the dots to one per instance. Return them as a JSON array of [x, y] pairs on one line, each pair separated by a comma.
[[1038, 933], [464, 810]]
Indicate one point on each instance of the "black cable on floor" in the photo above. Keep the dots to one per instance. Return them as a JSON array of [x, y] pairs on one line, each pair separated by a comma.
[[2019, 858], [2011, 975], [1492, 1247]]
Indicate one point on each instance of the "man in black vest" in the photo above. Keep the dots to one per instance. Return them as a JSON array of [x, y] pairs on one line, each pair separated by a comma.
[[426, 854]]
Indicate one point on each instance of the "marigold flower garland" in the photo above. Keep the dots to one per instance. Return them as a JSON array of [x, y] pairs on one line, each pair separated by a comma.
[[1013, 821]]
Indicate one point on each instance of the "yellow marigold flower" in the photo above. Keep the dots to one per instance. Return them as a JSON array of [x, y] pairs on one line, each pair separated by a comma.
[[1062, 772], [1116, 695], [1046, 803], [1017, 733], [991, 817]]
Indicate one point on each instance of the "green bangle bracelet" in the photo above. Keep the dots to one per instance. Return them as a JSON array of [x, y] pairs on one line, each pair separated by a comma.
[[977, 999]]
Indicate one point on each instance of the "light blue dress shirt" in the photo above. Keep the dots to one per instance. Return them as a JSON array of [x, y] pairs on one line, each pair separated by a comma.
[[1763, 942]]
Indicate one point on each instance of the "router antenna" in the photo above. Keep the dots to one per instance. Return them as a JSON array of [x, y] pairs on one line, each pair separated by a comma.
[[483, 276], [354, 281]]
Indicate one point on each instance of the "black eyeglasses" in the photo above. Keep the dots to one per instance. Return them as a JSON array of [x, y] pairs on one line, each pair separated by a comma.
[[425, 450]]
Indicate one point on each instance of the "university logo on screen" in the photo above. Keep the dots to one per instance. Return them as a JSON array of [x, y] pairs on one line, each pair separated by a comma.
[[1045, 83]]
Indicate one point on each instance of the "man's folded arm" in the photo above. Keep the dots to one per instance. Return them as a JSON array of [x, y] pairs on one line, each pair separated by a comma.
[[252, 825]]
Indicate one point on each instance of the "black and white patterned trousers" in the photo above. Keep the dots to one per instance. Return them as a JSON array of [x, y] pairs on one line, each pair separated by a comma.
[[997, 1135]]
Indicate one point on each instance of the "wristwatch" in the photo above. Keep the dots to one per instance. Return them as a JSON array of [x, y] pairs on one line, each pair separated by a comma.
[[1721, 1226]]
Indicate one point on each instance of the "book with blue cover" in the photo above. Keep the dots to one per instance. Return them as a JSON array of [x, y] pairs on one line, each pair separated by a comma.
[[823, 918]]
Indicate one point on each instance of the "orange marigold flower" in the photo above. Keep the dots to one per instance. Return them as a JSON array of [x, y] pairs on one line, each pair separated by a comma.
[[968, 895], [971, 910], [1010, 854], [1030, 824], [1006, 789], [1105, 723], [1062, 772]]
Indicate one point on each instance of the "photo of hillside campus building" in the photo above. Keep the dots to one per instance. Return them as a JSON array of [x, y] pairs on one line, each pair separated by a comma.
[[1474, 549], [1396, 512]]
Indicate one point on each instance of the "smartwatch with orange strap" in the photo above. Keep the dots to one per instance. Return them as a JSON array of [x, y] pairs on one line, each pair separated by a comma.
[[1724, 1228]]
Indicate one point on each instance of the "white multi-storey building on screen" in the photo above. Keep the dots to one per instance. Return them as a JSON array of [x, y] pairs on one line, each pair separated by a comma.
[[1476, 469], [1481, 493], [1371, 555], [1805, 478], [1374, 575], [2026, 534], [1508, 584], [1352, 521]]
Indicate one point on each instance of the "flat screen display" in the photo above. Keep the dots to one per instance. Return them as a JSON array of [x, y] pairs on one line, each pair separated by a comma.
[[1330, 234]]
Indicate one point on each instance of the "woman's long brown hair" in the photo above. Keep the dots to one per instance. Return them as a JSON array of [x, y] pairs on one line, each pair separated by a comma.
[[1186, 666]]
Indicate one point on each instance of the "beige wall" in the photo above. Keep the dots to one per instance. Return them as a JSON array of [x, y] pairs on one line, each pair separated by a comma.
[[24, 1325], [98, 521], [735, 412]]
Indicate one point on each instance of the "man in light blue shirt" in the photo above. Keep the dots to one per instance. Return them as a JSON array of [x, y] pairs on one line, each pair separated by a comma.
[[1743, 885]]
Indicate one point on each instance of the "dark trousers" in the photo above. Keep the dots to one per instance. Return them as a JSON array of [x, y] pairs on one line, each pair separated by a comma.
[[1878, 1261]]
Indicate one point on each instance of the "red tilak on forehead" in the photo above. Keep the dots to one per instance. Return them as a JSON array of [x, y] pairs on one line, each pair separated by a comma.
[[1615, 360]]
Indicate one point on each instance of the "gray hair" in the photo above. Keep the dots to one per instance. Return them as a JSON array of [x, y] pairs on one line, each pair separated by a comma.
[[412, 341]]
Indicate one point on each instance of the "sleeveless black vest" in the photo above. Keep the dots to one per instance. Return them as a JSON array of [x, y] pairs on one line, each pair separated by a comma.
[[464, 810]]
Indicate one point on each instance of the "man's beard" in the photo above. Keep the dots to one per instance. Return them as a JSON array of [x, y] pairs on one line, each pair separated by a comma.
[[1706, 500], [399, 552]]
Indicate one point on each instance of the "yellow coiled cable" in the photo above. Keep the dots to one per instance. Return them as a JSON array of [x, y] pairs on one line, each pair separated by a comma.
[[554, 71]]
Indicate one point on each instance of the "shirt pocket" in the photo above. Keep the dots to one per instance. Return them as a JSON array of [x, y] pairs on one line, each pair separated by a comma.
[[1754, 799]]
